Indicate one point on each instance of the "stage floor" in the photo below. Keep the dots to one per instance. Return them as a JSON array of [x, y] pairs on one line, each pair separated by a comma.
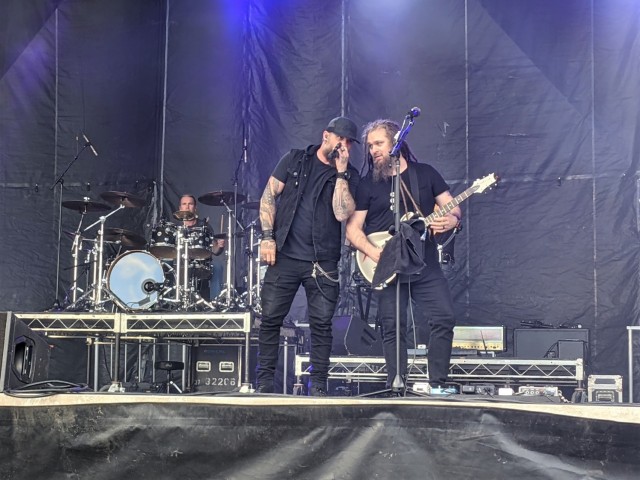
[[251, 436]]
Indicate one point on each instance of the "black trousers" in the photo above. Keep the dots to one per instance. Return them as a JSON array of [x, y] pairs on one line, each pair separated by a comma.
[[433, 300], [281, 283]]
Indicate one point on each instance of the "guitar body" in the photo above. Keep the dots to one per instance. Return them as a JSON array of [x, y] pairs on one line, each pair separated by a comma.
[[379, 239], [366, 265]]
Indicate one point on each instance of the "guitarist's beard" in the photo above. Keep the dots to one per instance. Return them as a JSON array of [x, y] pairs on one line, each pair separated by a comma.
[[382, 170]]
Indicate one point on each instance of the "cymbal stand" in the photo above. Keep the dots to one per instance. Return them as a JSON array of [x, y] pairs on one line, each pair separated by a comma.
[[254, 269], [186, 294], [75, 253], [182, 267], [98, 277], [229, 256]]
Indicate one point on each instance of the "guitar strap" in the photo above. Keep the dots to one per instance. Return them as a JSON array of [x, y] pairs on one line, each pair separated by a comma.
[[413, 181]]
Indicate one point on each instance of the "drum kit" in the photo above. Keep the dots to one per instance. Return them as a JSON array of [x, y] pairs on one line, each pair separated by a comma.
[[164, 273]]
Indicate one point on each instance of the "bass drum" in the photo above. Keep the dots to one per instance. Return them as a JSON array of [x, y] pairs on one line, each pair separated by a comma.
[[134, 279]]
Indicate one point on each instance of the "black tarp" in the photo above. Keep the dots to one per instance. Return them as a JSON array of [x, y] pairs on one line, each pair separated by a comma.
[[159, 438], [170, 92]]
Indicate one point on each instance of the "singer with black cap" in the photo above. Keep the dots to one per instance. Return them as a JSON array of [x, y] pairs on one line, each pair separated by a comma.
[[422, 189], [301, 244]]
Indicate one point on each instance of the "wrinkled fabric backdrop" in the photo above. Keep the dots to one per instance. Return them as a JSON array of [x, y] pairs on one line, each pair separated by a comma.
[[198, 96]]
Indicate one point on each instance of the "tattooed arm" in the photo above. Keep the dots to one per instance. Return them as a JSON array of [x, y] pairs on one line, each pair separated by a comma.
[[343, 203], [267, 219]]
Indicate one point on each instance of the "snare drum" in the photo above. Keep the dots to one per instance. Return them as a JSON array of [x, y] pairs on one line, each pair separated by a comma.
[[199, 239], [134, 279], [163, 240]]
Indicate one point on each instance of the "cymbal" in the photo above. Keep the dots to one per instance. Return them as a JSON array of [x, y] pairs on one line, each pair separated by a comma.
[[185, 215], [125, 237], [128, 200], [251, 205], [220, 198], [84, 206]]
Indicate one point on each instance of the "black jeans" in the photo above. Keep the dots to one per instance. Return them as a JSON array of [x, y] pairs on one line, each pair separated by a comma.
[[281, 283], [432, 297]]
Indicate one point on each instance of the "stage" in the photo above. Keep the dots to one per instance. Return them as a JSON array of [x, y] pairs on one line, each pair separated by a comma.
[[119, 424], [251, 436]]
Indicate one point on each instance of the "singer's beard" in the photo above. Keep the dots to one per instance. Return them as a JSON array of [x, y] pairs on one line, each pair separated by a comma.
[[382, 170]]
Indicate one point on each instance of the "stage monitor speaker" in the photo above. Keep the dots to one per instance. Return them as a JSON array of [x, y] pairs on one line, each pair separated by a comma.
[[551, 343], [353, 336], [24, 357]]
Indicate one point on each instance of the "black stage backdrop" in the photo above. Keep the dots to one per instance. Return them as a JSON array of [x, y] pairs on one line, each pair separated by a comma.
[[197, 96]]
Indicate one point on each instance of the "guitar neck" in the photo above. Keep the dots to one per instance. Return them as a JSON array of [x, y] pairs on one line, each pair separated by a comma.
[[446, 208]]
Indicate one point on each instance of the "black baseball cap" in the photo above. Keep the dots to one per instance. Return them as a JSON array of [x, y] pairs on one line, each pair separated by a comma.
[[343, 127]]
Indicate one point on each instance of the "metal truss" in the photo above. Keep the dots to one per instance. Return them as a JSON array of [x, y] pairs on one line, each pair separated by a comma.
[[471, 370], [64, 323], [187, 323], [165, 324]]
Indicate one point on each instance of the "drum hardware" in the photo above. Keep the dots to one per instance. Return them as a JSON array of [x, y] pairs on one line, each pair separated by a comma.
[[184, 215], [123, 199], [162, 243], [124, 237], [85, 206], [186, 295], [254, 280], [227, 200], [135, 280], [199, 238], [97, 291], [220, 198]]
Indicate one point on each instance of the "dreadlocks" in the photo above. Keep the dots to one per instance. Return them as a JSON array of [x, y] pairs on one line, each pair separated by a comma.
[[391, 128]]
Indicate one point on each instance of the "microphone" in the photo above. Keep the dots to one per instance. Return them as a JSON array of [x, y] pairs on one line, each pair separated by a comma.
[[149, 286], [89, 144], [335, 152], [413, 113]]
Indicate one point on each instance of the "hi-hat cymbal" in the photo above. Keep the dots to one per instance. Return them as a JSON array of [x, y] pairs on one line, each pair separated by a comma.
[[85, 206], [125, 237], [251, 205], [125, 199], [220, 198], [185, 215]]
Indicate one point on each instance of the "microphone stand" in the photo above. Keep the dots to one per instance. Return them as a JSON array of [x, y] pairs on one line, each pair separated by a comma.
[[398, 386], [60, 181]]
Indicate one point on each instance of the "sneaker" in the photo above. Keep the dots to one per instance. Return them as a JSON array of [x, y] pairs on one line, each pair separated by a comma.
[[316, 391], [265, 388], [442, 390]]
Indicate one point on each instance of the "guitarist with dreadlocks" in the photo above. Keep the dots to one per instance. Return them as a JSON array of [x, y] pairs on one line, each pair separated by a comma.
[[422, 189]]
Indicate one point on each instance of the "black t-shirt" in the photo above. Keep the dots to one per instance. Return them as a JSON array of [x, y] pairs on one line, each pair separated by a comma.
[[375, 198], [299, 243]]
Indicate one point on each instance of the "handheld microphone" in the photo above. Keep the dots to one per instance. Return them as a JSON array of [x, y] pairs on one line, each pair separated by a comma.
[[335, 152], [414, 112], [89, 144]]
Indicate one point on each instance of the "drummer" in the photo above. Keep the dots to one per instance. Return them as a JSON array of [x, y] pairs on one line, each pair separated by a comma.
[[188, 203]]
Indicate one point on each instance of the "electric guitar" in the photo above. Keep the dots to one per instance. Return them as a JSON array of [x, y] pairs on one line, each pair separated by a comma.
[[379, 239]]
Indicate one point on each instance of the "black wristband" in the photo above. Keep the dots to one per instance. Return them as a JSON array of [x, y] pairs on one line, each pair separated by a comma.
[[267, 235]]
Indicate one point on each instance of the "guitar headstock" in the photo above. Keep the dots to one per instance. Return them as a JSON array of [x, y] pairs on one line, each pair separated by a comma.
[[481, 184]]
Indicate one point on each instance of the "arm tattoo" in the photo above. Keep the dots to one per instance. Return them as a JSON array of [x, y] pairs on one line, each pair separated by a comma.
[[343, 203], [268, 203]]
